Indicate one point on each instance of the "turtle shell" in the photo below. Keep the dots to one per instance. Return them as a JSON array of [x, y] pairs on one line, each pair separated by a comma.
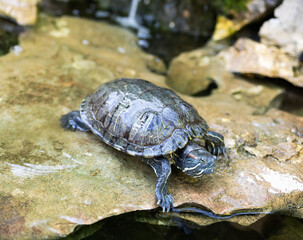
[[140, 118]]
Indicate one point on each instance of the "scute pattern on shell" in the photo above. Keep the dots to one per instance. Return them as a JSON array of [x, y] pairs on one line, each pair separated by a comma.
[[140, 118]]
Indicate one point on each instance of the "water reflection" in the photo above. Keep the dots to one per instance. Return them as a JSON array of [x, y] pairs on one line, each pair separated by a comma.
[[164, 29], [131, 226], [9, 32]]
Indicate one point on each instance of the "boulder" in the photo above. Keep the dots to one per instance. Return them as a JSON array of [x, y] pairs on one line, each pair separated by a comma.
[[192, 73], [248, 56], [23, 11], [286, 29], [253, 11]]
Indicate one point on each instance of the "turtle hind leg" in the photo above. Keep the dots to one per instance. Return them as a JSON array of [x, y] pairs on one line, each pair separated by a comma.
[[73, 122], [214, 142], [162, 169]]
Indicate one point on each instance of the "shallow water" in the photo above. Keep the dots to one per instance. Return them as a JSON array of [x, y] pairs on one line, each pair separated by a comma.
[[127, 226], [164, 44], [9, 33]]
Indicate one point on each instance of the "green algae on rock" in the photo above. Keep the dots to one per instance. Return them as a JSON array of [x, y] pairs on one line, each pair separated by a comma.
[[240, 14]]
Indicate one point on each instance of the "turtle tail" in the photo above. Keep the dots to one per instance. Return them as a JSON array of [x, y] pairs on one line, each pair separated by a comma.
[[73, 122]]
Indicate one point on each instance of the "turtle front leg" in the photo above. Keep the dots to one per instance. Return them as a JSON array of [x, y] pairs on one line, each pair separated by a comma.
[[72, 121], [162, 169], [215, 143]]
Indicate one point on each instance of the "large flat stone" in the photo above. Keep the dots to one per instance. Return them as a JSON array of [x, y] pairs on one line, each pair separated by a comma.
[[53, 180]]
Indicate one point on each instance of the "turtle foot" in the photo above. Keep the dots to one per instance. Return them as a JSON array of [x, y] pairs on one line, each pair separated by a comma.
[[166, 202], [217, 150], [215, 144], [73, 122]]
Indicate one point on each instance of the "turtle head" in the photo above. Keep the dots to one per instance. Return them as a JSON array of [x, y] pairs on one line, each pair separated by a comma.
[[194, 160]]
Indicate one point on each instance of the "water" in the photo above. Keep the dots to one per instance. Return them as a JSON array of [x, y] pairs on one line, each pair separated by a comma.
[[130, 21], [127, 226], [164, 44], [9, 33]]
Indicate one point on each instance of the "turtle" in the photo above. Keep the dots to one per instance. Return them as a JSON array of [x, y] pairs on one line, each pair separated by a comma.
[[153, 123]]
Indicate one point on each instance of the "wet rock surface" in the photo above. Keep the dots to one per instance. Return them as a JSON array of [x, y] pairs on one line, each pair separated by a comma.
[[53, 180], [23, 11], [248, 56], [192, 72]]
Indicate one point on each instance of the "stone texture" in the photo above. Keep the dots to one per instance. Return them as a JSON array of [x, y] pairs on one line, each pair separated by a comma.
[[23, 11], [255, 10], [53, 180], [47, 182], [247, 56], [286, 29], [192, 72]]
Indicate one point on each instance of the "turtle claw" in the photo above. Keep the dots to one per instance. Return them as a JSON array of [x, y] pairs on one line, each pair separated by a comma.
[[222, 150], [215, 143], [225, 154], [209, 149], [166, 202], [217, 151]]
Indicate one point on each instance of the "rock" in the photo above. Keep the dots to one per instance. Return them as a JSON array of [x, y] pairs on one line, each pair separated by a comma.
[[23, 11], [285, 30], [192, 72], [156, 65], [247, 56], [255, 10], [48, 186], [261, 96], [52, 180], [225, 28]]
